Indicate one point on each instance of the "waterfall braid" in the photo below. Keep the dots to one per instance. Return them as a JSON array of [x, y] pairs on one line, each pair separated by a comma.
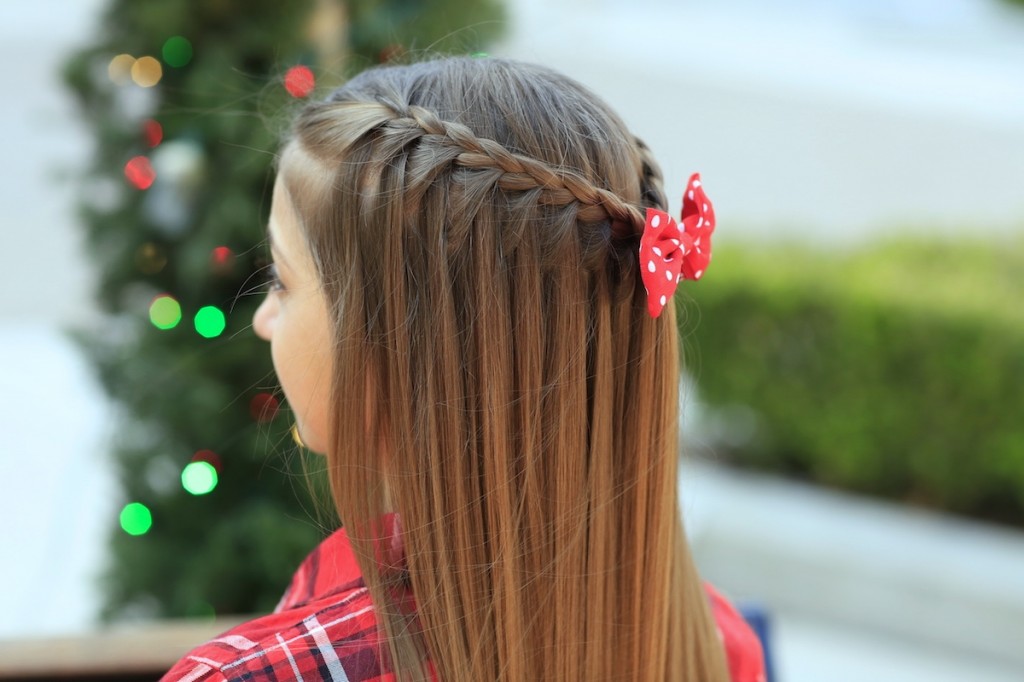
[[497, 380]]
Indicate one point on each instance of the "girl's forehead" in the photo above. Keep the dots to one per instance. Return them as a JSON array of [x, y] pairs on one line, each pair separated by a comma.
[[282, 225]]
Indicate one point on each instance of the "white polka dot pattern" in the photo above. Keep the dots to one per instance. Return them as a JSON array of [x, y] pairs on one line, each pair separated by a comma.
[[672, 253]]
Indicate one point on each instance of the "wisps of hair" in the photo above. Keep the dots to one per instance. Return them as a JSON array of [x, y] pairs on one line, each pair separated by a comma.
[[498, 382]]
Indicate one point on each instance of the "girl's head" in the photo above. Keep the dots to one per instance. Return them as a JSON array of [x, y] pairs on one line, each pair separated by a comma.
[[473, 351]]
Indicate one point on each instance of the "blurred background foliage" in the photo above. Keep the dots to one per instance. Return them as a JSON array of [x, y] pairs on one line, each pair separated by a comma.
[[893, 370], [186, 100]]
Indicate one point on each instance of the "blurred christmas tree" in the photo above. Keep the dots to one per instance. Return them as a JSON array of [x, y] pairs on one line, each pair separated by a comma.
[[186, 99]]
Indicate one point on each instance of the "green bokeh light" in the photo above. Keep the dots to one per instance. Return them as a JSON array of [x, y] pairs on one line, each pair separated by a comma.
[[136, 518], [165, 312], [199, 478], [177, 51], [210, 321]]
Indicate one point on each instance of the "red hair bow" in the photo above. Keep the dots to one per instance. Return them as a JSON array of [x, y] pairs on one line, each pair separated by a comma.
[[669, 254]]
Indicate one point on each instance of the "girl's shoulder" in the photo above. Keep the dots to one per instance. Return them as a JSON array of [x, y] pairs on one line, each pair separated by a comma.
[[325, 623], [338, 635], [324, 627], [742, 646]]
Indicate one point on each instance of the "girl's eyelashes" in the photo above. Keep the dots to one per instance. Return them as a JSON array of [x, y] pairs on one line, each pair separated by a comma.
[[273, 281]]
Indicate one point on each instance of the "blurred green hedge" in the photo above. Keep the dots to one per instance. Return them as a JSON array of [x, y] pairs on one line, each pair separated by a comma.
[[896, 370]]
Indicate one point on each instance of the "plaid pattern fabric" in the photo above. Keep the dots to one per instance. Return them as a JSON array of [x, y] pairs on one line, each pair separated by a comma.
[[324, 629]]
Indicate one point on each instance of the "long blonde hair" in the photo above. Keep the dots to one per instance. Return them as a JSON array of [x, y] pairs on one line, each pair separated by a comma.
[[498, 381]]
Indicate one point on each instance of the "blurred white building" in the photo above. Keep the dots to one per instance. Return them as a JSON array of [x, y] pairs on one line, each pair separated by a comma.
[[833, 121]]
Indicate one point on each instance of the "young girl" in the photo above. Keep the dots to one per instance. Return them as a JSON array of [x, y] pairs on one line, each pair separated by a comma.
[[471, 319]]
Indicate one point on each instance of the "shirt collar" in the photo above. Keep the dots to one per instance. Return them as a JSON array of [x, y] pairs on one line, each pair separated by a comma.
[[331, 567]]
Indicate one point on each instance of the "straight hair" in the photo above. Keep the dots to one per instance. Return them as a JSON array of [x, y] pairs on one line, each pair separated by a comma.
[[498, 383]]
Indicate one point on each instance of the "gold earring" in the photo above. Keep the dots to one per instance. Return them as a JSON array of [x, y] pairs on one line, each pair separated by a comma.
[[296, 437]]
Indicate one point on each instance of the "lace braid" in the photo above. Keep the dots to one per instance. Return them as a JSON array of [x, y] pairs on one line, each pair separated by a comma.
[[427, 146], [451, 143]]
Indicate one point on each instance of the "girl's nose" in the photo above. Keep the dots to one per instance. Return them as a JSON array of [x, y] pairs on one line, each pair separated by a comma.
[[263, 320]]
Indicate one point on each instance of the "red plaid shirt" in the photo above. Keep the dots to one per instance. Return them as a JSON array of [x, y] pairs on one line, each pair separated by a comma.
[[324, 629]]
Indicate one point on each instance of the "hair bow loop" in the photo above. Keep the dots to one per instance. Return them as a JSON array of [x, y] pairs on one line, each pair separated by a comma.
[[670, 253]]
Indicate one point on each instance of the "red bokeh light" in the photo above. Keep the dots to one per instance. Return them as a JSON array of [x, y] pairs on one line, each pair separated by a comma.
[[222, 257], [208, 456], [154, 132], [263, 407], [139, 172], [221, 254], [299, 81]]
